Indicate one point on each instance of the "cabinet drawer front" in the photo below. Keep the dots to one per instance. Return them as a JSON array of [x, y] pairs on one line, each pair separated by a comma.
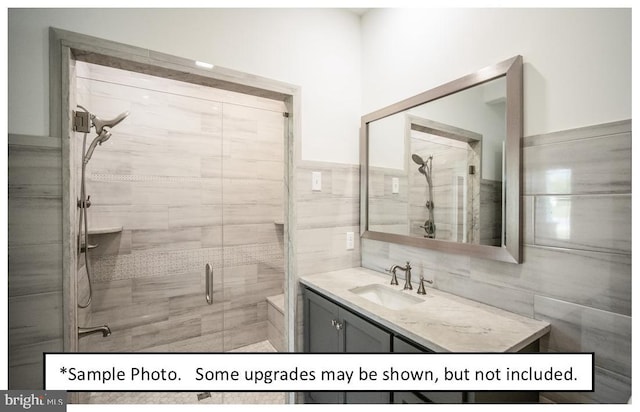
[[320, 333], [362, 336]]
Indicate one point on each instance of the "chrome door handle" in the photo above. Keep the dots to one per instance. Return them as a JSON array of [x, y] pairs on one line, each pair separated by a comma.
[[208, 280], [336, 324]]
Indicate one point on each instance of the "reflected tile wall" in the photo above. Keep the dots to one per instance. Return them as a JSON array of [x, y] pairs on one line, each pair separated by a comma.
[[576, 270]]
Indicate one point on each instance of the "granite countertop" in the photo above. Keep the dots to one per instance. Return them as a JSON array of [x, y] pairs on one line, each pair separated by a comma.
[[442, 323]]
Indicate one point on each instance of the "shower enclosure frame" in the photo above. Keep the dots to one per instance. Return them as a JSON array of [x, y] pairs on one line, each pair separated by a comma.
[[65, 48]]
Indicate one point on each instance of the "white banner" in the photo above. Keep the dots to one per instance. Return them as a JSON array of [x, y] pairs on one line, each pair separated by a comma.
[[288, 372]]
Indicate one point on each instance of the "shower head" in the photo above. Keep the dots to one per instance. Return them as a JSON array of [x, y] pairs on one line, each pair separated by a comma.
[[417, 160], [100, 124], [103, 128], [101, 138]]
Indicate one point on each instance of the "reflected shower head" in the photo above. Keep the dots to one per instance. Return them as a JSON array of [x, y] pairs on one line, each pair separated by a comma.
[[100, 124], [417, 160]]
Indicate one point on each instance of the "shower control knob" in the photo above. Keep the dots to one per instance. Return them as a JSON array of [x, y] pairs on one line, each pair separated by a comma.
[[85, 204]]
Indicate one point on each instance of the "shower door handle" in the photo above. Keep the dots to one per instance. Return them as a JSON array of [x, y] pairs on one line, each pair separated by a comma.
[[208, 280]]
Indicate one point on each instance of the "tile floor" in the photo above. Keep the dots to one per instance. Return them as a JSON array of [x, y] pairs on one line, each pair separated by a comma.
[[192, 397]]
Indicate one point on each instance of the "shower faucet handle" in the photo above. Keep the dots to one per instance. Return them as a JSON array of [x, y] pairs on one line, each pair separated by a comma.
[[86, 203]]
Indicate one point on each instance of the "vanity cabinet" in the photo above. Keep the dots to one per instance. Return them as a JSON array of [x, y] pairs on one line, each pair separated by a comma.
[[330, 328]]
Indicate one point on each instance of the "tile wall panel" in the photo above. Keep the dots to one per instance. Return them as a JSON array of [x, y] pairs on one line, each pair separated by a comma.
[[587, 222], [324, 217], [584, 329], [34, 256]]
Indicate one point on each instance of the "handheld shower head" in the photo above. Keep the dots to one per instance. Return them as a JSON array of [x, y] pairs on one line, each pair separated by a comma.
[[100, 124], [103, 128], [101, 138]]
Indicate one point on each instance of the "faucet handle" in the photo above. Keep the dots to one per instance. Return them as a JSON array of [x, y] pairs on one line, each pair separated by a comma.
[[421, 290]]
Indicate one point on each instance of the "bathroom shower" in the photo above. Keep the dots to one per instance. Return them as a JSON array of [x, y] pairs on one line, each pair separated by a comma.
[[170, 205], [102, 129], [425, 169]]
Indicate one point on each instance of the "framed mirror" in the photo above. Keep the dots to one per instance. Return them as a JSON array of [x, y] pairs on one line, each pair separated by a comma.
[[441, 170]]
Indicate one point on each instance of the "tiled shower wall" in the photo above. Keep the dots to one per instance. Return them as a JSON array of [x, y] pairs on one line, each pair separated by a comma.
[[193, 176], [576, 270]]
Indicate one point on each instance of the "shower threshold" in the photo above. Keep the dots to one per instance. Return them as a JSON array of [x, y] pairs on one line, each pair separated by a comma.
[[219, 398]]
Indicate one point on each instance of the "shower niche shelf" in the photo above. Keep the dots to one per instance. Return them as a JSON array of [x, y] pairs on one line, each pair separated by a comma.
[[105, 230]]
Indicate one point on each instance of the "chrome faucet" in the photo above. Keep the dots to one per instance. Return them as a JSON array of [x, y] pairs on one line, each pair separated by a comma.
[[82, 332], [407, 277]]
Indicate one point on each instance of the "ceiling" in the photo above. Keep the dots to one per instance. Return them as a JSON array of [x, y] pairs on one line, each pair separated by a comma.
[[359, 12]]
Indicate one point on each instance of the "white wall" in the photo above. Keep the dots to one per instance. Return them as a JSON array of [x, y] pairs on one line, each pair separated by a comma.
[[317, 49], [577, 62]]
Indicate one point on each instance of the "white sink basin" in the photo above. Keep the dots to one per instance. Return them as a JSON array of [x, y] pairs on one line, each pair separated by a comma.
[[383, 296]]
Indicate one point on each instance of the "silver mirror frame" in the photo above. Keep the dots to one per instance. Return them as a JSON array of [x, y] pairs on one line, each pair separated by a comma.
[[510, 251]]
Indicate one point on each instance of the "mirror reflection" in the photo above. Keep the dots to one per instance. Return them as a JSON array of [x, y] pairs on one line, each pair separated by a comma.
[[436, 170]]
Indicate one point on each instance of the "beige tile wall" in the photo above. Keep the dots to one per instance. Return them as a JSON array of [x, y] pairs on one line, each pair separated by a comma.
[[34, 256], [576, 270], [324, 217], [194, 176], [323, 220]]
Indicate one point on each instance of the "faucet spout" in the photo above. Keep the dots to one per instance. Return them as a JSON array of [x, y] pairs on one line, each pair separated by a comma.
[[407, 277], [105, 330], [392, 270]]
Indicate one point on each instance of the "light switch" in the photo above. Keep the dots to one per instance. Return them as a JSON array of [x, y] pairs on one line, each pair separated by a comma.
[[395, 185], [316, 181], [350, 241]]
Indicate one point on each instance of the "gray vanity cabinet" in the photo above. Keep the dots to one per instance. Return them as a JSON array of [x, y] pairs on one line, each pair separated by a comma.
[[330, 328]]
